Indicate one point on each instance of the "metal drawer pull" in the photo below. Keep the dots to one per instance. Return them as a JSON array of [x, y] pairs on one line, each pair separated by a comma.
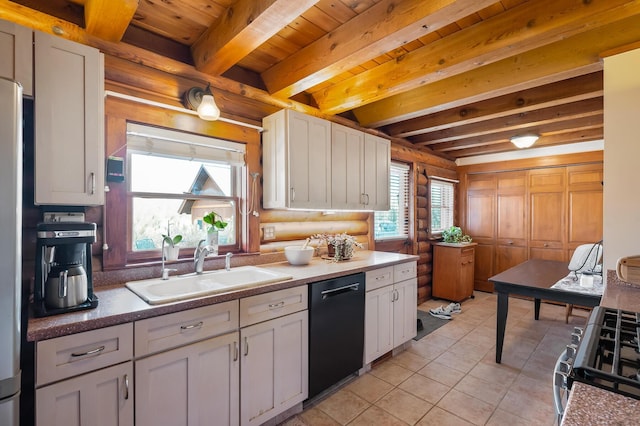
[[91, 352], [126, 386], [192, 326], [246, 347], [381, 277], [93, 183], [235, 351], [339, 290], [276, 305]]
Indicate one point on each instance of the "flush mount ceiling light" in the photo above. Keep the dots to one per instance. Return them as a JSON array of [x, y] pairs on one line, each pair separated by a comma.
[[202, 101], [524, 141]]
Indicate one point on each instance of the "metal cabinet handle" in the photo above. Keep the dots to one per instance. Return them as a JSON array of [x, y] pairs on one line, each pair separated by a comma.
[[293, 194], [93, 183], [90, 352], [235, 351], [246, 346], [367, 198], [192, 326], [276, 305], [126, 386]]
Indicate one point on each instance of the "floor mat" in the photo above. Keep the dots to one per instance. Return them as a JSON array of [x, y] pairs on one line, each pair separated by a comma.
[[429, 324]]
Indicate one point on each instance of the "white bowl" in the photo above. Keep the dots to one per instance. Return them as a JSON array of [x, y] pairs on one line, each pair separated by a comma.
[[296, 255]]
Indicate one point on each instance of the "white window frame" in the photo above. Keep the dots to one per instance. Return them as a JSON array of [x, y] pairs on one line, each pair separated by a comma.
[[446, 204], [398, 184]]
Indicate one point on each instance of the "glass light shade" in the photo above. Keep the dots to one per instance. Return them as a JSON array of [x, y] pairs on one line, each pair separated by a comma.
[[208, 110], [524, 141]]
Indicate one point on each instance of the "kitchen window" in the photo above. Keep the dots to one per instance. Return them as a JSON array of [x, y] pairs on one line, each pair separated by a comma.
[[394, 224], [441, 201], [174, 179]]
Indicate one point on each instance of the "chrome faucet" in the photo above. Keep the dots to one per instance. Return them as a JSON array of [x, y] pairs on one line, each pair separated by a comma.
[[165, 271], [199, 255], [227, 261]]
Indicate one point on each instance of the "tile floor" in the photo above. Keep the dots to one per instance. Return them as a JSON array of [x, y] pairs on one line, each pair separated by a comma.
[[450, 376]]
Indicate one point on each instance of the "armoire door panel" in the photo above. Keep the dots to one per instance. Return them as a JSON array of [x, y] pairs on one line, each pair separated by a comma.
[[483, 267], [508, 256], [547, 219], [511, 219], [585, 216], [480, 215]]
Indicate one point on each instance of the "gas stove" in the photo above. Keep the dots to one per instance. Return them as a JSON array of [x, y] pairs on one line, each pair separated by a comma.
[[608, 352]]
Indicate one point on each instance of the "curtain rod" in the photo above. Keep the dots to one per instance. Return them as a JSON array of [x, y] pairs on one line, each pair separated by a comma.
[[174, 108]]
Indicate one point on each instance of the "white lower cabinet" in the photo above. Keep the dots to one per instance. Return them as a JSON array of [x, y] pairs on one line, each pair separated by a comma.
[[390, 309], [197, 384], [274, 367], [100, 398]]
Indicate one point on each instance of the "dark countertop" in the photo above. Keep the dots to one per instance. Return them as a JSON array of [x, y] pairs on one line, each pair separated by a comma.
[[118, 305]]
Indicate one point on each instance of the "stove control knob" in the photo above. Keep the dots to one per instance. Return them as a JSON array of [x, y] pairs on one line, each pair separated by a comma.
[[564, 367], [571, 351], [560, 379], [575, 338], [578, 330]]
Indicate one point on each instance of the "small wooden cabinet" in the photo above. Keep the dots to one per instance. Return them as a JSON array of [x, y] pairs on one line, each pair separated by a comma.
[[453, 265]]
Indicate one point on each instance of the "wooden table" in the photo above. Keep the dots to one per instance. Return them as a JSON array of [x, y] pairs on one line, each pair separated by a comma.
[[533, 278]]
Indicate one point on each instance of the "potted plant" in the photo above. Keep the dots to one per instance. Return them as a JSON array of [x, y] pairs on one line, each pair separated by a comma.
[[170, 246], [454, 235], [216, 224], [339, 246]]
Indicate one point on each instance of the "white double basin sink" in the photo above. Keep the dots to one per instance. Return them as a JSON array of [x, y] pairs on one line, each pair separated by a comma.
[[158, 291]]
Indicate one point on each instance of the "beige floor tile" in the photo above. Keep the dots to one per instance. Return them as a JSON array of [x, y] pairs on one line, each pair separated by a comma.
[[391, 373], [502, 418], [490, 391], [369, 387], [409, 360], [439, 417], [425, 388], [426, 350], [343, 406], [441, 373], [454, 330], [467, 407], [490, 371], [315, 417], [459, 361], [404, 406], [529, 399], [439, 341], [376, 416]]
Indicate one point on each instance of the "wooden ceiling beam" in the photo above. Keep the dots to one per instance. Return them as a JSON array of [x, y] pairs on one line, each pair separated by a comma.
[[378, 30], [517, 121], [574, 136], [108, 19], [571, 90], [523, 28], [498, 136], [242, 28], [577, 55]]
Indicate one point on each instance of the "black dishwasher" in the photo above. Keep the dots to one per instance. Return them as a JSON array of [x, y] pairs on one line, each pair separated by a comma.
[[336, 330]]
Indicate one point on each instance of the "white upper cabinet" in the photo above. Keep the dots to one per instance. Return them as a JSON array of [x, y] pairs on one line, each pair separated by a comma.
[[377, 169], [17, 55], [296, 150], [69, 122], [360, 170]]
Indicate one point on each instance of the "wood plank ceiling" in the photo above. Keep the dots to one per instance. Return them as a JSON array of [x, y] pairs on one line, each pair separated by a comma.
[[455, 77]]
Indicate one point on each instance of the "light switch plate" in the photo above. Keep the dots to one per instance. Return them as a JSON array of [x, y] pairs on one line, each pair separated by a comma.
[[269, 233]]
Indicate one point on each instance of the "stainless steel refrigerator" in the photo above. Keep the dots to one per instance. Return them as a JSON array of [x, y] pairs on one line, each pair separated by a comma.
[[10, 248]]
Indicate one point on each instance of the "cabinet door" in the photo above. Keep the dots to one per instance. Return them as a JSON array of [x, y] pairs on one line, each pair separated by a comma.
[[405, 311], [347, 167], [309, 142], [378, 311], [585, 204], [16, 51], [547, 213], [197, 384], [377, 168], [275, 367], [69, 130], [101, 398]]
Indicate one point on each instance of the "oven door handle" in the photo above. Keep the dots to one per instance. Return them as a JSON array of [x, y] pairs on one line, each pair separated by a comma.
[[560, 384], [340, 290]]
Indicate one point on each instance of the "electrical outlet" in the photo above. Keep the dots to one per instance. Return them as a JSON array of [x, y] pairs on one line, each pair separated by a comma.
[[269, 232]]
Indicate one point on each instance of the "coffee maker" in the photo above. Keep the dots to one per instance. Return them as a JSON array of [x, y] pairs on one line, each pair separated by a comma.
[[63, 268]]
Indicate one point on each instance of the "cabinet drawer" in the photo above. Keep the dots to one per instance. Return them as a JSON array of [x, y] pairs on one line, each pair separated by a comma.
[[404, 271], [267, 306], [75, 354], [378, 278], [180, 328], [466, 259]]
